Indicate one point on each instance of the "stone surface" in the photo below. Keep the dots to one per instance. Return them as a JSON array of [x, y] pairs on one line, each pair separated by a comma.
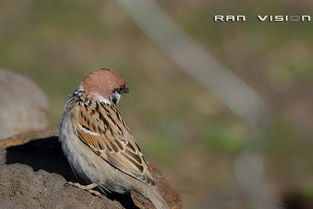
[[22, 105], [33, 173]]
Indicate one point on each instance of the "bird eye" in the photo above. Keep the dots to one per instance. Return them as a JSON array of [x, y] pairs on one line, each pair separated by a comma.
[[120, 90]]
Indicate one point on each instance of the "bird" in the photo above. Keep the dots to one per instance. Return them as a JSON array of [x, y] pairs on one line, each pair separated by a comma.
[[99, 145]]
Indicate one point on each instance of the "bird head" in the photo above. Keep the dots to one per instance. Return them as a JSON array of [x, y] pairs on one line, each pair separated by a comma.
[[105, 84]]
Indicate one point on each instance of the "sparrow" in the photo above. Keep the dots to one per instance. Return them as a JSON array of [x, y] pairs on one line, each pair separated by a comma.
[[98, 143]]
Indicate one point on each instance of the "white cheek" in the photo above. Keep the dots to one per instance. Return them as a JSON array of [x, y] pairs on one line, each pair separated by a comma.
[[118, 97]]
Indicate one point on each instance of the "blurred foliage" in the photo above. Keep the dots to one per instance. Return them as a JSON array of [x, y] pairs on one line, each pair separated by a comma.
[[179, 125]]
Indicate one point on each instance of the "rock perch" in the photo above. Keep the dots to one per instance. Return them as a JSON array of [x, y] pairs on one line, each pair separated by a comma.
[[33, 173]]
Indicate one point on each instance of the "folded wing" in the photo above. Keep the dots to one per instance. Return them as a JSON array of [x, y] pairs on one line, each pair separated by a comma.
[[102, 129]]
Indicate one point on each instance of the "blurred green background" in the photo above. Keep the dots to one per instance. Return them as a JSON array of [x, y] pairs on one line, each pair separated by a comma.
[[182, 128]]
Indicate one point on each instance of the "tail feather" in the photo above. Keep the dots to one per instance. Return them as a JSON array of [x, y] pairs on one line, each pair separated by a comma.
[[157, 200]]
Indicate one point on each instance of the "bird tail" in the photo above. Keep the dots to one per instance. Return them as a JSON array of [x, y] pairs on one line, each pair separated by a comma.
[[155, 197]]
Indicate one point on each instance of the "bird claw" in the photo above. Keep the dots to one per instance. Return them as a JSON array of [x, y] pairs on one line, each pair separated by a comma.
[[88, 188]]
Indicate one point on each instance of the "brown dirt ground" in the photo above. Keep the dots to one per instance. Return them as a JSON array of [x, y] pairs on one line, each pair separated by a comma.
[[33, 174]]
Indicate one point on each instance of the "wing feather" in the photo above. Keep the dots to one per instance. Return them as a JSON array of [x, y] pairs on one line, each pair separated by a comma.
[[103, 130]]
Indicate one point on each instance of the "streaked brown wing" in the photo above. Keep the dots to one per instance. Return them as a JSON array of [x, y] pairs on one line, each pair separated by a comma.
[[101, 128]]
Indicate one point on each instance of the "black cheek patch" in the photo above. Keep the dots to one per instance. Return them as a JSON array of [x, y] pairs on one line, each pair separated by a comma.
[[114, 100]]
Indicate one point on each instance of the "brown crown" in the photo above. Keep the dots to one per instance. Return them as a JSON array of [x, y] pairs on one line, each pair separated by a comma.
[[103, 82]]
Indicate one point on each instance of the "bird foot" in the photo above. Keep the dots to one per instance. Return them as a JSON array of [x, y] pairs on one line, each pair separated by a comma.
[[88, 188]]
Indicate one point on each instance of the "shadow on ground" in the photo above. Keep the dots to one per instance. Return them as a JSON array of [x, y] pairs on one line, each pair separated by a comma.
[[47, 155]]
